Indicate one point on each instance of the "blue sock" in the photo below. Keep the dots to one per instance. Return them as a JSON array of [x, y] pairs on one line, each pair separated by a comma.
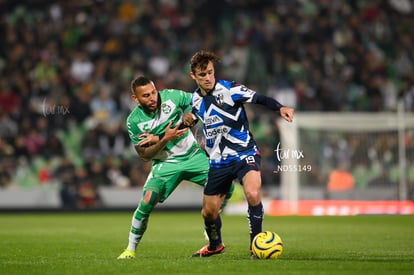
[[255, 219], [213, 230]]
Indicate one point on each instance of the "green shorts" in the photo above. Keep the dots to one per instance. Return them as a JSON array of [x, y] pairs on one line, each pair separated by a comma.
[[165, 176]]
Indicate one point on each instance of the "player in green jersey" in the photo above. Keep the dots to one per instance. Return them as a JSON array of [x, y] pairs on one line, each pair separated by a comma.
[[154, 129]]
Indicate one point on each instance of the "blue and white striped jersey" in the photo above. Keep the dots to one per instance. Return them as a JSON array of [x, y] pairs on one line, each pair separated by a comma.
[[225, 123]]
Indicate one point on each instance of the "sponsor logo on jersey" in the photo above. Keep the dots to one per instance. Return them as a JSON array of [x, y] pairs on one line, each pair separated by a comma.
[[146, 127], [212, 120], [216, 131]]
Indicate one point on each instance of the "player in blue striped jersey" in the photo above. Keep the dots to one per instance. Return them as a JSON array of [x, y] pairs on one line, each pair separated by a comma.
[[232, 151]]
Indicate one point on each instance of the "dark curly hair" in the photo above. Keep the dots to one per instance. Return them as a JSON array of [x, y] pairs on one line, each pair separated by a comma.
[[201, 58]]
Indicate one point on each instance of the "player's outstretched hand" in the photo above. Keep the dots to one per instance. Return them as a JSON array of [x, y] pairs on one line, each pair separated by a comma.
[[175, 132], [287, 113]]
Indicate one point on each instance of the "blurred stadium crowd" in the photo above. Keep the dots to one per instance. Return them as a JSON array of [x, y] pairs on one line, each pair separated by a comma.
[[66, 67]]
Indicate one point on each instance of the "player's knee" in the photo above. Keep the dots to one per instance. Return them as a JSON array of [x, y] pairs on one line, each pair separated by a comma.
[[150, 197], [209, 214]]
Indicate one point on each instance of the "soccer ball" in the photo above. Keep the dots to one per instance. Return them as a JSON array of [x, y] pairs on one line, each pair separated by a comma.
[[267, 245]]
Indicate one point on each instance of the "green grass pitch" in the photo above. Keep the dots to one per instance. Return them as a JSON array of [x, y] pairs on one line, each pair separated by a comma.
[[88, 243]]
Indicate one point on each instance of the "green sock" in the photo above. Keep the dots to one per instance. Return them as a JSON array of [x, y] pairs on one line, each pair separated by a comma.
[[139, 224]]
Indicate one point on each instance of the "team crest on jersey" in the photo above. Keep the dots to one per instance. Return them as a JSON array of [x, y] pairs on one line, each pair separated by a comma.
[[166, 109], [219, 99]]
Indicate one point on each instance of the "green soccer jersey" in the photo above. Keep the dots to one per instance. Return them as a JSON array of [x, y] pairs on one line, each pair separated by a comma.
[[173, 104]]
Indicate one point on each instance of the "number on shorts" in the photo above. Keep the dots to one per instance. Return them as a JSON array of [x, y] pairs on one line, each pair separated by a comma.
[[250, 159]]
